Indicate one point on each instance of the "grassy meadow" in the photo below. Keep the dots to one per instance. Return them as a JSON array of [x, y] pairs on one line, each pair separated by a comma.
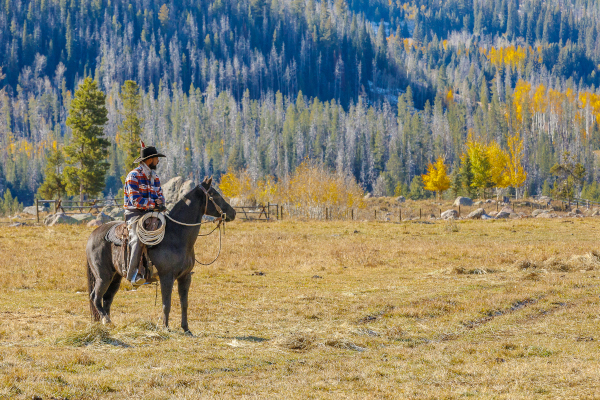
[[334, 309]]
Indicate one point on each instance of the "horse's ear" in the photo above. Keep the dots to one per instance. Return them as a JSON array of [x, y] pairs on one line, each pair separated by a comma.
[[205, 179], [209, 181]]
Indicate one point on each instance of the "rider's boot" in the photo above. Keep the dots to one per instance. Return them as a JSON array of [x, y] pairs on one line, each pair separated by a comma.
[[135, 248]]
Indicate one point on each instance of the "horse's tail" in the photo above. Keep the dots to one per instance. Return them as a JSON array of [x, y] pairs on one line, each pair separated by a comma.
[[91, 283]]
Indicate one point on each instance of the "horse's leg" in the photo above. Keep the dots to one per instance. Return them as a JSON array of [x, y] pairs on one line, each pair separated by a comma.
[[97, 295], [108, 297], [166, 288], [183, 286]]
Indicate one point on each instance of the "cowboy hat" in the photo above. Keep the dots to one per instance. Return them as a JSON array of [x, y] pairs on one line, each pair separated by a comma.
[[147, 152]]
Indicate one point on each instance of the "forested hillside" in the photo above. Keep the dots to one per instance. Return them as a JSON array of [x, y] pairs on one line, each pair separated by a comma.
[[373, 89]]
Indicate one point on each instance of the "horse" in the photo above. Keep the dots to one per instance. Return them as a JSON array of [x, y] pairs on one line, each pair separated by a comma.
[[173, 257]]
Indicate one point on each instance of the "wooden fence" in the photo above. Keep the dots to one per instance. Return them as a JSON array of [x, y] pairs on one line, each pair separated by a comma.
[[66, 206]]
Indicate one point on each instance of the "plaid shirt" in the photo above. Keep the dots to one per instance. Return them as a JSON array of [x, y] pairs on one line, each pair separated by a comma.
[[140, 192]]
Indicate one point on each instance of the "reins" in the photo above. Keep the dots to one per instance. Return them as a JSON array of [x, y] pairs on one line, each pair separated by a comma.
[[221, 221]]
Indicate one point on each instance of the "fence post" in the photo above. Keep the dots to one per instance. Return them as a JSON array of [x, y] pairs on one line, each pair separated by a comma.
[[37, 211], [375, 214], [268, 210], [281, 212], [326, 213], [352, 214], [440, 213], [400, 215], [459, 210], [420, 214]]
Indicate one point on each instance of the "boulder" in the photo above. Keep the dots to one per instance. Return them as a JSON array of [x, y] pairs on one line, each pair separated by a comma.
[[175, 189], [544, 199], [507, 210], [60, 219], [503, 215], [116, 213], [186, 187], [94, 223], [31, 209], [477, 214], [596, 213], [368, 196], [546, 215], [478, 203], [537, 212], [484, 217], [103, 218], [171, 189], [493, 213], [577, 211], [242, 202], [489, 201], [400, 199], [463, 201], [450, 214], [83, 217]]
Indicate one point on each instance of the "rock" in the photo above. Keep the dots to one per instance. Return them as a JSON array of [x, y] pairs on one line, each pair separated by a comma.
[[186, 187], [577, 211], [489, 201], [61, 218], [367, 196], [31, 209], [502, 215], [103, 218], [16, 224], [242, 202], [175, 189], [537, 212], [400, 199], [493, 213], [478, 203], [507, 210], [544, 199], [546, 215], [450, 214], [48, 219], [83, 217], [116, 213], [94, 222], [171, 189], [477, 214], [484, 217], [595, 213], [463, 201]]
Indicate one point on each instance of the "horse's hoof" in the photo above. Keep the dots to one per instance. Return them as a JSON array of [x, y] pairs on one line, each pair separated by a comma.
[[187, 332], [106, 321]]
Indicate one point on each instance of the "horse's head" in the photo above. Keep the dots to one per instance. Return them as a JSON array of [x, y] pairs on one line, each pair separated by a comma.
[[216, 201]]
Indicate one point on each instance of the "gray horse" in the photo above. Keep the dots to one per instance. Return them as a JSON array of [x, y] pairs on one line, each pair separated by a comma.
[[173, 257]]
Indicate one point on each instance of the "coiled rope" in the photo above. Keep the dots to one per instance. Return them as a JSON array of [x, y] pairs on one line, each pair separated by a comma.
[[151, 238]]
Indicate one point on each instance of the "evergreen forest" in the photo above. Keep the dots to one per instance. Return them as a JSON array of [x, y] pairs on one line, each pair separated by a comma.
[[376, 90]]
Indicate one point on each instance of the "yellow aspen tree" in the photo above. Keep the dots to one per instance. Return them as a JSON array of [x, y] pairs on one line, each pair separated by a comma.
[[436, 179], [516, 173], [498, 159]]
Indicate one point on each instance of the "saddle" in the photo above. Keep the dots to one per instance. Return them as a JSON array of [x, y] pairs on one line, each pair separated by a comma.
[[118, 236]]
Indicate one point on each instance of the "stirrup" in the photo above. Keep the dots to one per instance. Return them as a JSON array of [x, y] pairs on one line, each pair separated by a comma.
[[138, 280]]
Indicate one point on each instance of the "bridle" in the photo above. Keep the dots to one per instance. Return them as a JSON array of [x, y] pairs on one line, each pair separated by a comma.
[[220, 225]]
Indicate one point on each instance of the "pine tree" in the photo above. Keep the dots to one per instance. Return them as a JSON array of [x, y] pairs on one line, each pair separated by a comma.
[[54, 182], [88, 149], [131, 128]]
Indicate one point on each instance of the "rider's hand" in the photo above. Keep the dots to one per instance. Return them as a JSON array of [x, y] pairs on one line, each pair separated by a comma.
[[160, 207]]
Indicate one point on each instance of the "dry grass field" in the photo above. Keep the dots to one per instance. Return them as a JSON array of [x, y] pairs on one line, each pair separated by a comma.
[[444, 310]]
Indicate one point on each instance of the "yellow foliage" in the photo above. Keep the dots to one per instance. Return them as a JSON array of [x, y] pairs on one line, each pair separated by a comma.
[[511, 56], [235, 186], [521, 93], [450, 96], [436, 179], [498, 160], [517, 174], [313, 185]]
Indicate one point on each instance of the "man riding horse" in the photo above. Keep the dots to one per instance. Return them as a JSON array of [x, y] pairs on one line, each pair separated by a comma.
[[143, 194]]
